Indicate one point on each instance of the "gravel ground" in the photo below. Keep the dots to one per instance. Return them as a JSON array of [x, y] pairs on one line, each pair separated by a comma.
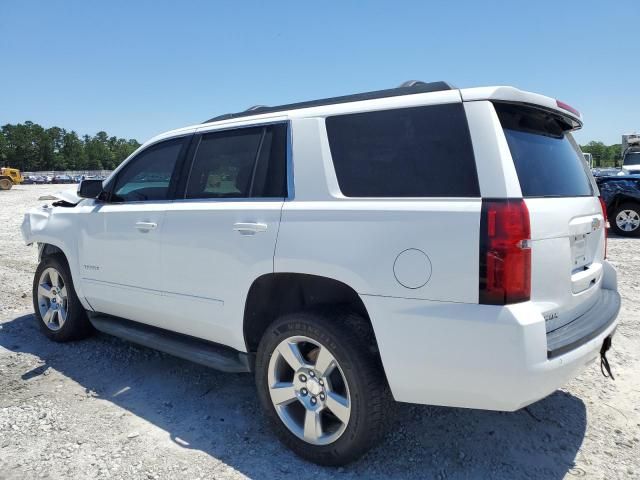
[[104, 408]]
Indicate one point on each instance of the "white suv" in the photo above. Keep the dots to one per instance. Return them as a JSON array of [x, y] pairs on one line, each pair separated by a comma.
[[421, 244]]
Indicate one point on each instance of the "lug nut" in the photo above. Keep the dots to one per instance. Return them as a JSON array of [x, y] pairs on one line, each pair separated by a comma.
[[313, 400], [312, 374], [321, 383], [322, 396], [303, 378]]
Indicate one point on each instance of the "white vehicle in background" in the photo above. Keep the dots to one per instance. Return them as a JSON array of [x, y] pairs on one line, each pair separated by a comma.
[[589, 159], [422, 244], [631, 154]]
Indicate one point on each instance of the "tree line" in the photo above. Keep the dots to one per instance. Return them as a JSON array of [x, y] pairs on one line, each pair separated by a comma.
[[603, 155], [31, 147]]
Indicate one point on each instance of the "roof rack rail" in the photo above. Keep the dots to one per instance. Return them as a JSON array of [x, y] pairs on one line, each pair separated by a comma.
[[409, 87]]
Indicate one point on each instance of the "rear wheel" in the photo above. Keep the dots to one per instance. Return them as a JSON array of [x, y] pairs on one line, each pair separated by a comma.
[[626, 220], [322, 388], [5, 184], [60, 314]]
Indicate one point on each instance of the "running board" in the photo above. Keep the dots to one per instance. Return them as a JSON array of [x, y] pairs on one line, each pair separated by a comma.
[[205, 353]]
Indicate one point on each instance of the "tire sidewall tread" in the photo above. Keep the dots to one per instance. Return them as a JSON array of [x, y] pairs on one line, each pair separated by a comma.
[[370, 412], [77, 325], [617, 210]]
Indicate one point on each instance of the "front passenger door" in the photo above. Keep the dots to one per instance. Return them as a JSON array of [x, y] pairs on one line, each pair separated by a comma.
[[119, 247]]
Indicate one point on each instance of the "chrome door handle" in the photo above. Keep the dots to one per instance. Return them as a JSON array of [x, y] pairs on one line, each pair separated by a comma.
[[250, 228], [146, 226]]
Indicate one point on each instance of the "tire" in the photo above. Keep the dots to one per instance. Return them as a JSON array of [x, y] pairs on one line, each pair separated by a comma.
[[5, 184], [353, 398], [625, 220], [59, 313]]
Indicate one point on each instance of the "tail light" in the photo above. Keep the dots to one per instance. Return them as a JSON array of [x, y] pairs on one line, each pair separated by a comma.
[[505, 252], [568, 108], [606, 224]]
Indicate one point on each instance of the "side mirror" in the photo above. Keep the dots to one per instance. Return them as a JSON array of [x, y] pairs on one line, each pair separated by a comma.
[[90, 188]]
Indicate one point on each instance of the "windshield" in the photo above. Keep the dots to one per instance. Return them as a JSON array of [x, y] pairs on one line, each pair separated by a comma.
[[632, 158]]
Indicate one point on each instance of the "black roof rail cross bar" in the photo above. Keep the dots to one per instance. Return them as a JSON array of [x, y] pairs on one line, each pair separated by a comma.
[[410, 87]]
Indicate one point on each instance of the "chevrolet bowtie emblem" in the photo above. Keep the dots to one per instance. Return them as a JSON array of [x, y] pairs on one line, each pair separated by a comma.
[[595, 224]]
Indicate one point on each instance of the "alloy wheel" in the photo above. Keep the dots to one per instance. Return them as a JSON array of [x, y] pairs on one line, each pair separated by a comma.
[[52, 299], [628, 220], [309, 391]]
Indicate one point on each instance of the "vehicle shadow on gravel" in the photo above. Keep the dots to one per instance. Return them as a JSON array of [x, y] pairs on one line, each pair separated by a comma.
[[218, 414]]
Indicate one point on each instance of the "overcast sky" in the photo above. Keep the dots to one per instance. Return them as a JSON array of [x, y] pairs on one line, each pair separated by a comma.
[[135, 69]]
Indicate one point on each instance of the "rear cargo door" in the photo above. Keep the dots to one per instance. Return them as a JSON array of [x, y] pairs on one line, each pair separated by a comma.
[[567, 225]]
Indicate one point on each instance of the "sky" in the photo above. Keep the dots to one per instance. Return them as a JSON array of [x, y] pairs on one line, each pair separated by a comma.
[[138, 68]]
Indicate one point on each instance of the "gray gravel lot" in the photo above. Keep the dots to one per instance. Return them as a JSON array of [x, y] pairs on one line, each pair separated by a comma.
[[104, 408]]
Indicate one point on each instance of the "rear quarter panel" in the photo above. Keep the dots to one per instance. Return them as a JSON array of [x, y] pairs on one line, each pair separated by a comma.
[[357, 241]]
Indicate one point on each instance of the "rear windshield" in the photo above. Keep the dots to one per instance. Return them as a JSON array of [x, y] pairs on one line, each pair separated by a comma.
[[545, 155]]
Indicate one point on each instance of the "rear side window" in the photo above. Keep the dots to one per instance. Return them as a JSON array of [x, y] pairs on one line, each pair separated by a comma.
[[408, 152], [547, 159], [242, 163]]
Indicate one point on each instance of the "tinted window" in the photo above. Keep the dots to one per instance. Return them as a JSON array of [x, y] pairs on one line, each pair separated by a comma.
[[546, 157], [632, 158], [410, 152], [147, 176], [248, 162]]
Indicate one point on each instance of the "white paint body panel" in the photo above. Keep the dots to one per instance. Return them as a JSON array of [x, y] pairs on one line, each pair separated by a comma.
[[208, 267], [193, 272]]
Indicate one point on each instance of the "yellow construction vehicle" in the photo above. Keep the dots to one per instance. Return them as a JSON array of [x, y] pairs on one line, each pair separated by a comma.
[[9, 177]]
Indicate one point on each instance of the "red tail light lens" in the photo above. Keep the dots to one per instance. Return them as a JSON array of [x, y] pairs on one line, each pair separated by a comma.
[[505, 253], [606, 224]]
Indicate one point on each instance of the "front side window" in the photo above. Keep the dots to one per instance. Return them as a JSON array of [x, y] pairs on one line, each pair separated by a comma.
[[242, 163], [148, 175], [407, 152]]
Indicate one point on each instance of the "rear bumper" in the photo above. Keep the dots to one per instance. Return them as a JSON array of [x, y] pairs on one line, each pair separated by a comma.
[[483, 356], [586, 327]]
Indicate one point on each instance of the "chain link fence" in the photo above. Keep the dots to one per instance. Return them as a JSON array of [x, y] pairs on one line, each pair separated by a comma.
[[71, 173]]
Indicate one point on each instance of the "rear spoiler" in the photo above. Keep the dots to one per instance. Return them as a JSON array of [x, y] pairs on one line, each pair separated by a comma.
[[513, 95]]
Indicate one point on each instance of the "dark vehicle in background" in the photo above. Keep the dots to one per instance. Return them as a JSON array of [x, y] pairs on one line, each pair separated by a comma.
[[62, 179], [34, 180], [621, 195]]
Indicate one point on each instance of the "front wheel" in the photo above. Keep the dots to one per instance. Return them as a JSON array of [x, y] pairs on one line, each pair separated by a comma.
[[58, 310], [322, 387], [626, 220]]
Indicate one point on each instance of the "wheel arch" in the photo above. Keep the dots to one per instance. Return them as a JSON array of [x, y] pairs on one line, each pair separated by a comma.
[[275, 294], [46, 249], [619, 200]]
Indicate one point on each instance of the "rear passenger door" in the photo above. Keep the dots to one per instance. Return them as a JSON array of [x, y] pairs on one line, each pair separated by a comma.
[[221, 234]]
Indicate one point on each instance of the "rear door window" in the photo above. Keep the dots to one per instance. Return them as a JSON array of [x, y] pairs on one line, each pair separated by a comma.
[[547, 159], [408, 152], [242, 163]]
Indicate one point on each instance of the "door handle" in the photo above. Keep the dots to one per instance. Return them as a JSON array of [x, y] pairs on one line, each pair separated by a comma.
[[146, 226], [250, 228]]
